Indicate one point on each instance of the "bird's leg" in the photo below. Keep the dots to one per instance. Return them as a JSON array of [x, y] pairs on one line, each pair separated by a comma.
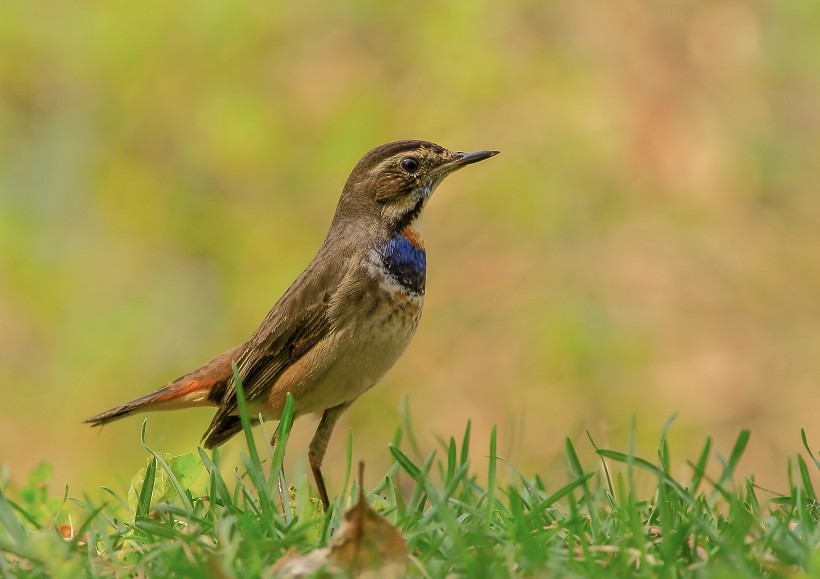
[[318, 446], [281, 472]]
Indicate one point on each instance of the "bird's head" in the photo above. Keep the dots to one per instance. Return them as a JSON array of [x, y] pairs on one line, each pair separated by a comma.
[[392, 183]]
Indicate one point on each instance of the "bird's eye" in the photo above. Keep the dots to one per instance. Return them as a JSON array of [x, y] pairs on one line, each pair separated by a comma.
[[410, 164]]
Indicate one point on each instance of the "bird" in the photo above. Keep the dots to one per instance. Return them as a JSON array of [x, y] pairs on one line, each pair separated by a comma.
[[343, 322]]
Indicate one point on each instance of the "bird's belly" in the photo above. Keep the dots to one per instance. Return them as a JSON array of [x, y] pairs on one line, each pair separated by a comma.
[[365, 356], [351, 360]]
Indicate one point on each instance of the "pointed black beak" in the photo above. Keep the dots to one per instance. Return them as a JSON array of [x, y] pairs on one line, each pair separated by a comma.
[[470, 158], [460, 159]]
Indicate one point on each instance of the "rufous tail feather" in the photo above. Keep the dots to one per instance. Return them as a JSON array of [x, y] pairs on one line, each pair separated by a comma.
[[192, 389]]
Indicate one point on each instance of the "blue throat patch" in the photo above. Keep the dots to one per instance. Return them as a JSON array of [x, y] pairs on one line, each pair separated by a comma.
[[405, 262]]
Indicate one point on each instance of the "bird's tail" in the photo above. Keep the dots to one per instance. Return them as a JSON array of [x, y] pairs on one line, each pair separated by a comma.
[[193, 389]]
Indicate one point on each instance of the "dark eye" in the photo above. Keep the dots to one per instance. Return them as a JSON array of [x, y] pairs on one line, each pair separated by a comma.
[[410, 164]]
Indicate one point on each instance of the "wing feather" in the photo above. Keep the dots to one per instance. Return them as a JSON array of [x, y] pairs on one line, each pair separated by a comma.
[[298, 321]]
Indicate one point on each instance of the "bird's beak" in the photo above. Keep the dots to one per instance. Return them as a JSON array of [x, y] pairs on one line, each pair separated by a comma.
[[460, 160]]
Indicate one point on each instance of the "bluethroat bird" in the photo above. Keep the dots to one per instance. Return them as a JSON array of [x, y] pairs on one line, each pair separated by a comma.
[[344, 321]]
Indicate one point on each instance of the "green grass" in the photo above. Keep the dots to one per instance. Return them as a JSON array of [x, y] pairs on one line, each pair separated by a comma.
[[599, 522]]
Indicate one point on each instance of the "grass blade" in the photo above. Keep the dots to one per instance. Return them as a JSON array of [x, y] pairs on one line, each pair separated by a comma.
[[406, 463], [699, 469], [144, 501], [10, 522], [465, 444], [663, 451], [812, 454], [172, 478], [808, 487], [243, 414], [491, 475], [561, 493], [737, 452], [578, 472], [254, 465], [407, 423]]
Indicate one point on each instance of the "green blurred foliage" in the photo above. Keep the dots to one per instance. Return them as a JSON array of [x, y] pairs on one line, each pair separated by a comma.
[[186, 468], [647, 243]]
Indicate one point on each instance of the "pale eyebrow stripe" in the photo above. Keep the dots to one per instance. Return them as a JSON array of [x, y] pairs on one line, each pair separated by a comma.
[[389, 161]]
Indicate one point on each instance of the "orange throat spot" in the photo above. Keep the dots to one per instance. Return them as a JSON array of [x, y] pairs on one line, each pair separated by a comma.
[[413, 235]]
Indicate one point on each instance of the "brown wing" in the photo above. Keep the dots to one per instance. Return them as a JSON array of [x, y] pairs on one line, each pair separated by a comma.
[[298, 321]]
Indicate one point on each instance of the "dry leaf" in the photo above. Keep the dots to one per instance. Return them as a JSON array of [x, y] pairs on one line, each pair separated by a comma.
[[365, 545]]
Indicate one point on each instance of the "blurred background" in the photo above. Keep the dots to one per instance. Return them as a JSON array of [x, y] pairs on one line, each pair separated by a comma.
[[647, 243]]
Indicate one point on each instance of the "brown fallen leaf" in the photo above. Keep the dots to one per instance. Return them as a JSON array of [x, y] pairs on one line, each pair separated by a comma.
[[365, 545]]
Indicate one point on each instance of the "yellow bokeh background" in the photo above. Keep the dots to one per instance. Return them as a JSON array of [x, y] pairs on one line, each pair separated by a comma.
[[647, 243]]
